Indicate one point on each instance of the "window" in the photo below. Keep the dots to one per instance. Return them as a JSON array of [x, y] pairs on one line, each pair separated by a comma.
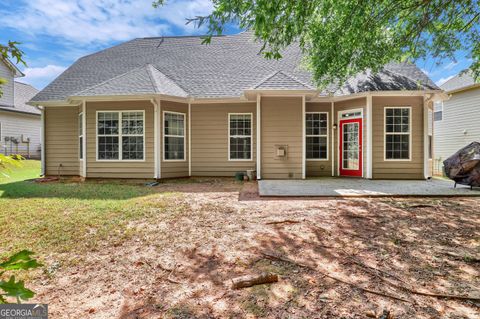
[[316, 133], [120, 135], [397, 133], [438, 111], [80, 136], [240, 136], [174, 136]]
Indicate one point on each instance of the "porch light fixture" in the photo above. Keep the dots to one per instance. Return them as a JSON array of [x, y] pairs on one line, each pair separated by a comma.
[[335, 126]]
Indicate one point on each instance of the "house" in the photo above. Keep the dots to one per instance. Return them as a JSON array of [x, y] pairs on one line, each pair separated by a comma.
[[20, 124], [456, 120], [170, 107]]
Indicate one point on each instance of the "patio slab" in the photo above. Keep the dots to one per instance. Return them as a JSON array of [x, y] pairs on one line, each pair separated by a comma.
[[353, 187]]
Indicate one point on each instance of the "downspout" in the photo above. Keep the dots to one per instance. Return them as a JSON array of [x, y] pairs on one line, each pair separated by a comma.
[[84, 139]]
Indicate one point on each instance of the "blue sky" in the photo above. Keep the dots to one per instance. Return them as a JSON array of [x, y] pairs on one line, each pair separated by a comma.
[[55, 33]]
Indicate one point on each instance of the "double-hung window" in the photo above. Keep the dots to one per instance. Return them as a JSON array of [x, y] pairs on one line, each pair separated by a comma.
[[397, 133], [438, 111], [240, 136], [316, 133], [174, 136], [120, 135], [80, 135]]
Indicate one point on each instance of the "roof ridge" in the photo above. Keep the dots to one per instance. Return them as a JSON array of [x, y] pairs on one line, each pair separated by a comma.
[[156, 86], [297, 80], [264, 79], [110, 79]]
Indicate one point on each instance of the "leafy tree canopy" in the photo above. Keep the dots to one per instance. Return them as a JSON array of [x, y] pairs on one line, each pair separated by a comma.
[[340, 38]]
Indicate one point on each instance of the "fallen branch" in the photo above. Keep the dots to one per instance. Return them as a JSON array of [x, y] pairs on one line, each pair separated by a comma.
[[286, 221], [252, 280], [288, 260]]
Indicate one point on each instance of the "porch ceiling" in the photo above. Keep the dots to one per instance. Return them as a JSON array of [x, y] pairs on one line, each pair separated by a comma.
[[353, 187]]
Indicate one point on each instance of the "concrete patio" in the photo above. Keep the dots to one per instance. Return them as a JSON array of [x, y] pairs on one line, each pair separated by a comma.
[[356, 187]]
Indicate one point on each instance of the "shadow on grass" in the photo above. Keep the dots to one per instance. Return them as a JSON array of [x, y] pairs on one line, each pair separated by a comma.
[[65, 190]]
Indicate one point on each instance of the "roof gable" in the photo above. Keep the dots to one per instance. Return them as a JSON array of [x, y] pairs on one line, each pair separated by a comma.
[[281, 81]]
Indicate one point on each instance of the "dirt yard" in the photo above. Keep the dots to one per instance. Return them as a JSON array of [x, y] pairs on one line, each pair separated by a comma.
[[336, 258]]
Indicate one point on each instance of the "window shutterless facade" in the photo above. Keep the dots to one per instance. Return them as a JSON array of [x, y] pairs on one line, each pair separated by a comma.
[[120, 136], [316, 134], [397, 133], [239, 136], [173, 136], [80, 135]]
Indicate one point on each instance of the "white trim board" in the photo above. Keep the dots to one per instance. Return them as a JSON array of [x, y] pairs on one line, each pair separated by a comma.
[[243, 136]]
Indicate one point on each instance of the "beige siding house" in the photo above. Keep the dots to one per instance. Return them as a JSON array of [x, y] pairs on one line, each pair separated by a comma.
[[156, 108], [456, 120], [20, 124]]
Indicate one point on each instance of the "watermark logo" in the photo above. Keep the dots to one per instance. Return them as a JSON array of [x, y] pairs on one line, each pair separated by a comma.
[[23, 311]]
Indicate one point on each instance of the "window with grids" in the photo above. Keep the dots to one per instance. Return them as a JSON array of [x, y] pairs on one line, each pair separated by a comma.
[[80, 135], [316, 133], [120, 135], [438, 111], [397, 133], [240, 136], [174, 136]]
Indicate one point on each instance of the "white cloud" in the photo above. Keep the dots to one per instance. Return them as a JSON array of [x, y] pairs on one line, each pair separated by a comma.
[[40, 76], [450, 66], [426, 72], [99, 21], [443, 80]]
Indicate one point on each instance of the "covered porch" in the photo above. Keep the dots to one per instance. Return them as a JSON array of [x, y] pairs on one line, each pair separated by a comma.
[[358, 187]]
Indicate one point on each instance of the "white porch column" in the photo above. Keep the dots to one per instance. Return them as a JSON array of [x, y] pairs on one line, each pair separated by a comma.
[[84, 139], [42, 137], [369, 170], [304, 148], [332, 140], [156, 139], [259, 133], [425, 139], [189, 139]]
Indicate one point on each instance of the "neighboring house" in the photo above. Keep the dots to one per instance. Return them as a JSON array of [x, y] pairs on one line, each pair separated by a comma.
[[456, 120], [20, 124], [172, 107]]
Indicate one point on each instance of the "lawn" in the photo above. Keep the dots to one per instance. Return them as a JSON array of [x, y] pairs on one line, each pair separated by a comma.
[[123, 250]]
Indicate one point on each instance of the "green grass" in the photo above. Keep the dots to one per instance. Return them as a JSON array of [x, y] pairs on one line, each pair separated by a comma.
[[28, 169], [64, 217]]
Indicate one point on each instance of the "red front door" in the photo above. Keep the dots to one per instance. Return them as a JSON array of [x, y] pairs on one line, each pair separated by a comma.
[[351, 147]]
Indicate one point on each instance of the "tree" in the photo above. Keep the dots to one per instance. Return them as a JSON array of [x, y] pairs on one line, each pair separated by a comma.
[[340, 38]]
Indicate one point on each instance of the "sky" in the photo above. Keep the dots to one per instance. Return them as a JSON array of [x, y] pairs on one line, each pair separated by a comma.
[[55, 33]]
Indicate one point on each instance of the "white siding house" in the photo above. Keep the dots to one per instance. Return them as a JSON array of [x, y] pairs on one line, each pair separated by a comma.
[[20, 124], [456, 120]]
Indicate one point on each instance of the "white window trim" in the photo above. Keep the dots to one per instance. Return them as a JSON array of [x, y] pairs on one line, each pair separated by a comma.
[[251, 139], [441, 103], [169, 135], [80, 145], [327, 136], [120, 135], [397, 133]]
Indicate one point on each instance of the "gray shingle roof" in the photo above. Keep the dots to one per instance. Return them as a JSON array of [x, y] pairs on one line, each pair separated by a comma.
[[22, 94], [224, 68], [461, 80]]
